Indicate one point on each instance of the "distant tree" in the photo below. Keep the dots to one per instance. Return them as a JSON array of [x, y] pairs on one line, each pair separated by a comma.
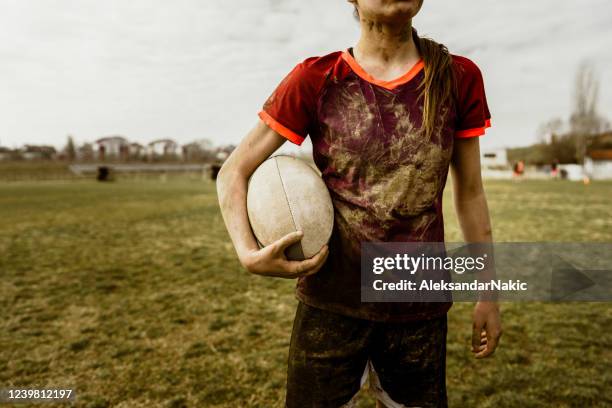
[[70, 150], [549, 131], [585, 120], [86, 152]]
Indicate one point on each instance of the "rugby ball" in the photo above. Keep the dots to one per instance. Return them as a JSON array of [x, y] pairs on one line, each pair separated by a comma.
[[285, 195]]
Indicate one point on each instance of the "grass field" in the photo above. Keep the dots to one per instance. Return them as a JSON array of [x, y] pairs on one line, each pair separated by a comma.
[[130, 292]]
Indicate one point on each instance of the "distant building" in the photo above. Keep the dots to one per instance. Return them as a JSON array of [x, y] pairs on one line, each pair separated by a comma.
[[192, 151], [34, 152], [602, 140], [164, 148], [598, 160], [136, 151], [572, 171], [197, 150], [598, 164], [492, 158], [112, 147]]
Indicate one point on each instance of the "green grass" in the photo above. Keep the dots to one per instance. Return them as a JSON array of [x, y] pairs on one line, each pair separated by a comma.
[[131, 293]]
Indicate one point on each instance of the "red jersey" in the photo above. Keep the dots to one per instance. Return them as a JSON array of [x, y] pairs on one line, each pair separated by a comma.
[[385, 176]]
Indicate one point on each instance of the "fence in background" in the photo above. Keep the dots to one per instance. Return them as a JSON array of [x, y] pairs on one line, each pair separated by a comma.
[[54, 171]]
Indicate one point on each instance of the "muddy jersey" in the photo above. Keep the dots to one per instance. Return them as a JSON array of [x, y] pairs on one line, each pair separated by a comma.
[[385, 175]]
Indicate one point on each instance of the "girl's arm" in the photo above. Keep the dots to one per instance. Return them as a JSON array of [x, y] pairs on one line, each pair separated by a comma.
[[232, 182], [473, 215]]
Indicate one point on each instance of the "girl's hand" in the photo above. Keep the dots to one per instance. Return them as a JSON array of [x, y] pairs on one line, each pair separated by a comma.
[[486, 329], [271, 260]]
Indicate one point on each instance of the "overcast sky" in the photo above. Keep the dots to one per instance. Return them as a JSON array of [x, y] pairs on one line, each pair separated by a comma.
[[192, 69]]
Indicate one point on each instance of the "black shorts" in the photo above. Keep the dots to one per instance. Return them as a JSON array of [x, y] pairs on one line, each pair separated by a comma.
[[331, 355]]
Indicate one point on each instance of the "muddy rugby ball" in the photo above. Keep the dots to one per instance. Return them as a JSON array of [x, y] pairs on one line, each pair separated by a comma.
[[285, 194]]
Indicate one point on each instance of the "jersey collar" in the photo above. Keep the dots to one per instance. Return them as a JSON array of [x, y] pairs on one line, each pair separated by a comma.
[[394, 83]]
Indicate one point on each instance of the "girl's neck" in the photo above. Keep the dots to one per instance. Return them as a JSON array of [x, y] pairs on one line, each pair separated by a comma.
[[386, 46]]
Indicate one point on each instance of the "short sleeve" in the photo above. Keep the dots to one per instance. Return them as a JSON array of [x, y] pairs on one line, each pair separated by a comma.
[[290, 109], [473, 116]]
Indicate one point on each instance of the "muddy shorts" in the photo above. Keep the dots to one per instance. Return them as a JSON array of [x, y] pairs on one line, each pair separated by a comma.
[[331, 356]]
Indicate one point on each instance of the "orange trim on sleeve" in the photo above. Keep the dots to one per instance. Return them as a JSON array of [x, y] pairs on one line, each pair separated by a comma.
[[407, 77], [280, 129], [475, 132]]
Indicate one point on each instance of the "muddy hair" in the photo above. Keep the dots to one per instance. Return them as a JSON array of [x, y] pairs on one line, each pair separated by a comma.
[[438, 90]]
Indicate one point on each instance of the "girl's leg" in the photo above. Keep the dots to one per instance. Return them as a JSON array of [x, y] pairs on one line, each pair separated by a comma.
[[327, 357], [409, 362]]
